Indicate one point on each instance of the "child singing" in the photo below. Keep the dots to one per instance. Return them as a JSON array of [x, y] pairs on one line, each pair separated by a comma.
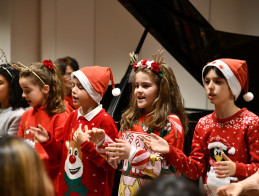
[[155, 107], [225, 143], [43, 90], [83, 170]]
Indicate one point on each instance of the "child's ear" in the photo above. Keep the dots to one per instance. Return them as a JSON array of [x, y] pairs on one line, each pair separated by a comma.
[[45, 89]]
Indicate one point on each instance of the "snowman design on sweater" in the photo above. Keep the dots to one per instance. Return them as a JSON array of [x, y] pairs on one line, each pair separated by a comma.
[[217, 145], [74, 168]]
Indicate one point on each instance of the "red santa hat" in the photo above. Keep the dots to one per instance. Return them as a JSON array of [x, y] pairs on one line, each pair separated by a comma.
[[222, 143], [236, 73], [95, 80]]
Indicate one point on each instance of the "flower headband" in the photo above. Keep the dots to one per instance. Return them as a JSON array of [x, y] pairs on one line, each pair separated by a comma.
[[152, 65]]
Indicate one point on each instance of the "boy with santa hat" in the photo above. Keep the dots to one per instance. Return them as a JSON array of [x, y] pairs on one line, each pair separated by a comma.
[[225, 145], [83, 171]]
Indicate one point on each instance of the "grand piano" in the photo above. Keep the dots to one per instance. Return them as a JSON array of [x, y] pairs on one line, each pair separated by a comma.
[[193, 42]]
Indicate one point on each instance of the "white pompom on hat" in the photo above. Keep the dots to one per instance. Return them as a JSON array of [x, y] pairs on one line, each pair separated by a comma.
[[95, 80], [236, 73]]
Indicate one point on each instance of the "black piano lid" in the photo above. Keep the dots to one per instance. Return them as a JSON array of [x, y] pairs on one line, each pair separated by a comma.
[[193, 42]]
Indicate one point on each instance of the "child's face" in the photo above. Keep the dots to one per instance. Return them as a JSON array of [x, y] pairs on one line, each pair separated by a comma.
[[81, 97], [217, 89], [4, 92], [146, 91], [33, 93], [67, 78]]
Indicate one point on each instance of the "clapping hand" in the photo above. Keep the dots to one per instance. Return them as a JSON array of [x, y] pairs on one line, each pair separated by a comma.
[[81, 136], [97, 136], [232, 189], [119, 150], [156, 143], [40, 134]]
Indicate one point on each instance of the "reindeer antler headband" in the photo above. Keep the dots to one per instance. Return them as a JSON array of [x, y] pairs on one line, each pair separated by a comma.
[[152, 65], [19, 66], [3, 60], [47, 63]]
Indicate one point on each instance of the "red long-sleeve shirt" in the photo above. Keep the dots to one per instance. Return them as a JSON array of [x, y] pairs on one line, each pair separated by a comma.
[[145, 164], [54, 124], [241, 131], [83, 169]]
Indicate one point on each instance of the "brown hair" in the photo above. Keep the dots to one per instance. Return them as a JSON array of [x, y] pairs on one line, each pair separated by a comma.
[[55, 100], [169, 101], [218, 72], [22, 172], [67, 61]]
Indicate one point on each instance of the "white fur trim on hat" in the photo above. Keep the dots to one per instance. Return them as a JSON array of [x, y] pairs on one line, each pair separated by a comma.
[[87, 85], [233, 82], [116, 92], [218, 145]]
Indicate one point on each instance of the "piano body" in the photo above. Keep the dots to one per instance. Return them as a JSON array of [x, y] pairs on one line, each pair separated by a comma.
[[193, 42]]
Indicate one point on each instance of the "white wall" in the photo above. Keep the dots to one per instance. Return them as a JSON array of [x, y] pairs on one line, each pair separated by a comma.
[[117, 34], [103, 32], [67, 29], [5, 28], [236, 16], [19, 30], [25, 30]]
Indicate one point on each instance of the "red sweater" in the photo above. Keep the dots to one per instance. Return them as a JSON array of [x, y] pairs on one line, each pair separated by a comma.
[[83, 170], [54, 124], [145, 164], [241, 133]]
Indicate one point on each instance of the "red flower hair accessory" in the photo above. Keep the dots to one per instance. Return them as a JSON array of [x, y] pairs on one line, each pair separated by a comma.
[[48, 64], [152, 65], [155, 67]]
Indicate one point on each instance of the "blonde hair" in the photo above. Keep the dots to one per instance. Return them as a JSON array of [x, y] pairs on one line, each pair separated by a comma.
[[169, 101], [55, 99], [22, 172]]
